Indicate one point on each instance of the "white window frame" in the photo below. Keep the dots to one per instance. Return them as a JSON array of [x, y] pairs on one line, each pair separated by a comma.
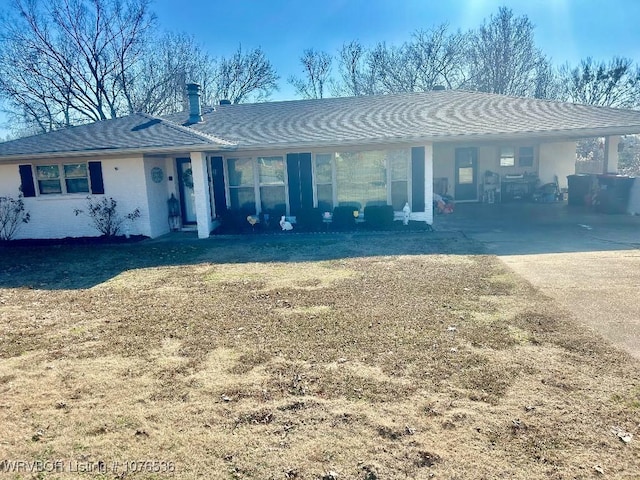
[[228, 186], [256, 179], [259, 184], [390, 180], [502, 156], [62, 179], [532, 156], [332, 163]]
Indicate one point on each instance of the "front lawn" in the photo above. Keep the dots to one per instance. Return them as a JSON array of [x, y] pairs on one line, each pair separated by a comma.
[[307, 357]]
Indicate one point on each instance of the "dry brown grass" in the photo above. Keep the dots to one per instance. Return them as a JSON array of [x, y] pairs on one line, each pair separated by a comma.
[[360, 362]]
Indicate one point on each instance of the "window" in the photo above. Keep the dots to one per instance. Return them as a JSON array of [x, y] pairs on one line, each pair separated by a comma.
[[64, 178], [75, 177], [242, 193], [507, 157], [361, 178], [324, 182], [525, 156], [48, 179], [398, 161], [271, 177]]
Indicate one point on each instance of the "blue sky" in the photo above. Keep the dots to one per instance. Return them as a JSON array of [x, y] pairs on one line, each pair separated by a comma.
[[566, 30]]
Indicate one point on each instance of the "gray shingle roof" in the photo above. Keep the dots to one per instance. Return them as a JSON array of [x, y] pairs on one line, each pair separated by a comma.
[[133, 132], [448, 115], [437, 116]]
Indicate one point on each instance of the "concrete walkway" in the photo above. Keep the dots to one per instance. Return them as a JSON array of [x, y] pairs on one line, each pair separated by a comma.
[[589, 262]]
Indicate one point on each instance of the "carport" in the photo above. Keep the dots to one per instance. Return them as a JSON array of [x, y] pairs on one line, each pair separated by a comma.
[[588, 261]]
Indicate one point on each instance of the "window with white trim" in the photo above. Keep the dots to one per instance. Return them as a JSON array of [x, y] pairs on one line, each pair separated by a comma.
[[361, 178], [242, 193], [507, 157], [272, 190], [324, 181], [66, 178], [525, 156], [398, 161]]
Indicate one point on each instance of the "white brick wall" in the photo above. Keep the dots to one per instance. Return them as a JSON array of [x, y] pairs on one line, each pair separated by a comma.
[[158, 194], [557, 159], [52, 216], [634, 200]]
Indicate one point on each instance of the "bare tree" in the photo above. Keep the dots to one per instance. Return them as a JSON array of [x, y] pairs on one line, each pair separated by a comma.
[[629, 158], [432, 57], [350, 70], [245, 77], [74, 58], [317, 72], [157, 84], [440, 57], [393, 69], [503, 57], [609, 84], [612, 84]]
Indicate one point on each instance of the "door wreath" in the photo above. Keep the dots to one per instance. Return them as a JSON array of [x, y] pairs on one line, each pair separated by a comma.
[[187, 178]]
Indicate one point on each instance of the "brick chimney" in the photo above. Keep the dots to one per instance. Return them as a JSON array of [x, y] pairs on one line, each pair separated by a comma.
[[195, 110]]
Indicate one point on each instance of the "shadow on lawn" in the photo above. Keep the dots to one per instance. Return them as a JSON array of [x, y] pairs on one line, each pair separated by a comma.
[[84, 266]]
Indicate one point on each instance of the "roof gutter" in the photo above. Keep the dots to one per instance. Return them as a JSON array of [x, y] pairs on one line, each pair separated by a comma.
[[121, 152], [552, 135], [555, 135]]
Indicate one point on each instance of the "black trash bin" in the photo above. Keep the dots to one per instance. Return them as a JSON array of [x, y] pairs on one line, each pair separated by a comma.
[[613, 193], [579, 188]]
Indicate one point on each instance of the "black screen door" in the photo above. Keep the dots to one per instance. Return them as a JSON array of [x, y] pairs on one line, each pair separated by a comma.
[[466, 187]]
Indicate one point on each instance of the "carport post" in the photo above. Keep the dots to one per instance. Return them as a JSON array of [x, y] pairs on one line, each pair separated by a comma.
[[428, 182], [610, 163]]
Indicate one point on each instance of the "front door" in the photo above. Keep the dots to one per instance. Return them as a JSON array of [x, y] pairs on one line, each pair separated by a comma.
[[300, 182], [187, 195], [466, 186]]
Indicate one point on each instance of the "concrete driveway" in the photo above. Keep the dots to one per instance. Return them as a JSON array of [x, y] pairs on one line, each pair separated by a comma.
[[589, 262]]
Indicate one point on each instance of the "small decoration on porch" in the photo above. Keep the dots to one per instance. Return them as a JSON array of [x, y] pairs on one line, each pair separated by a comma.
[[406, 212], [157, 175], [253, 219], [443, 204], [356, 214], [174, 213], [286, 226]]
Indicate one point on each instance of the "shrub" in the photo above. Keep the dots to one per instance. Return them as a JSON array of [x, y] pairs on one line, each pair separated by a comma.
[[12, 215], [104, 215], [309, 219], [235, 221], [378, 216], [343, 218], [273, 215]]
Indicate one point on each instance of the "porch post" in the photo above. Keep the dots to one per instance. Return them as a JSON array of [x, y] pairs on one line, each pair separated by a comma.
[[200, 174], [428, 182], [611, 154]]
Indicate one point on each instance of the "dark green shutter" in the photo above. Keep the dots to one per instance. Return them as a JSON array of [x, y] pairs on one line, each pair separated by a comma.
[[95, 174], [26, 181], [306, 181], [417, 179], [293, 179], [300, 181], [219, 189]]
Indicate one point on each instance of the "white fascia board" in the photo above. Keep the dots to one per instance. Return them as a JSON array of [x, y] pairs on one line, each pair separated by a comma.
[[555, 135], [183, 150]]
